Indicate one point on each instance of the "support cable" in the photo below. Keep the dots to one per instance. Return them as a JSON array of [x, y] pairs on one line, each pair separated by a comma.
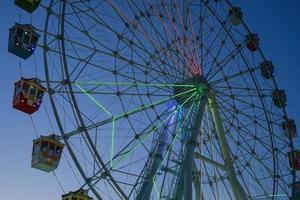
[[57, 180], [20, 67], [64, 154], [34, 127]]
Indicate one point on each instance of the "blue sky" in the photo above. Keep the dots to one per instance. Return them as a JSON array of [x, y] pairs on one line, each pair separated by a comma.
[[277, 22]]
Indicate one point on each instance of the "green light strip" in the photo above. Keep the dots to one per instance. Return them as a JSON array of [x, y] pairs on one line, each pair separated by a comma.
[[156, 190], [171, 146], [138, 109], [112, 142], [128, 113], [135, 84], [269, 195], [94, 100], [155, 103], [148, 134]]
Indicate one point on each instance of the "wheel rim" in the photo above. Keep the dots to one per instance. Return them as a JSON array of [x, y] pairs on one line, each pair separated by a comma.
[[244, 97]]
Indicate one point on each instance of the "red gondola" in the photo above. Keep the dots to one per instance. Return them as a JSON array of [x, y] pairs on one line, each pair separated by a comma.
[[252, 41], [294, 159], [28, 95]]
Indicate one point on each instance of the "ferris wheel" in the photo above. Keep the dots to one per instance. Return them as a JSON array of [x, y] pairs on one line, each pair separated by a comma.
[[158, 99]]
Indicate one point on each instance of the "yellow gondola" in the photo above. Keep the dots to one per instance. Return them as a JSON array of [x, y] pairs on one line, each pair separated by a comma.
[[46, 153], [77, 195], [279, 98]]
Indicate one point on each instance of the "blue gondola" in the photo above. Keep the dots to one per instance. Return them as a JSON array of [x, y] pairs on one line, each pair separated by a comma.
[[22, 40], [267, 69]]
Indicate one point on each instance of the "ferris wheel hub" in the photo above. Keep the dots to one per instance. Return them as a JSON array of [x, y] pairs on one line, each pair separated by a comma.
[[193, 86]]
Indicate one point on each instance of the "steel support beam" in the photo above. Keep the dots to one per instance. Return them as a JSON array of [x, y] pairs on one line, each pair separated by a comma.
[[237, 189], [197, 182], [208, 160], [190, 147], [184, 185]]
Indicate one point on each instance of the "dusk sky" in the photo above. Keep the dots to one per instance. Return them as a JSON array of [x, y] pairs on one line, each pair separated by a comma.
[[276, 21]]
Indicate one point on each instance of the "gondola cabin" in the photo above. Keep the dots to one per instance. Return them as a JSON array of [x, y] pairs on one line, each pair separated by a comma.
[[28, 5], [77, 195], [235, 16], [279, 98], [28, 95], [294, 159], [22, 40], [289, 128], [46, 153], [297, 187], [296, 194], [267, 69], [252, 41]]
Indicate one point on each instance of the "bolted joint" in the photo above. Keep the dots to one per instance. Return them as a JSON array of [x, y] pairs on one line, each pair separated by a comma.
[[158, 156], [80, 129], [228, 163], [49, 10], [192, 143], [65, 137], [50, 91], [65, 82]]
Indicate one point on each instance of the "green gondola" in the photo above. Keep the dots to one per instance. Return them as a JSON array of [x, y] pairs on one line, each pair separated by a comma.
[[28, 5]]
